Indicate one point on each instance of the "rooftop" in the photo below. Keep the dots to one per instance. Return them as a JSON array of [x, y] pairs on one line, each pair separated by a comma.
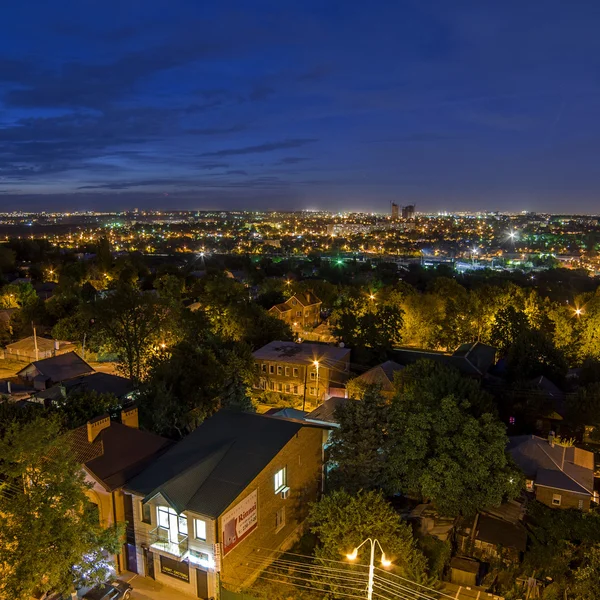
[[207, 470], [304, 353], [62, 367]]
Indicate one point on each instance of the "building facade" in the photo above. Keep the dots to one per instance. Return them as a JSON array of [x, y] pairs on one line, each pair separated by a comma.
[[301, 311], [205, 512], [305, 371]]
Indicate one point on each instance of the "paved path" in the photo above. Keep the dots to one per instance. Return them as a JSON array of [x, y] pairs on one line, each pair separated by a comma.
[[145, 588]]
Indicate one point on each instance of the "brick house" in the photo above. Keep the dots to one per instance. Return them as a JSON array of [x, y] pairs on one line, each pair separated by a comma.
[[301, 311], [205, 511], [558, 476], [308, 371]]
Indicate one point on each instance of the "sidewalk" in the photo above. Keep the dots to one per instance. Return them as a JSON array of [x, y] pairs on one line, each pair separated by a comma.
[[145, 588]]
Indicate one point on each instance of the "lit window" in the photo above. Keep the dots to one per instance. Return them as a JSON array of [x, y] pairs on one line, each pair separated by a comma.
[[580, 505], [163, 517], [313, 391], [529, 485], [287, 371], [200, 529], [280, 518], [182, 524], [556, 499], [280, 480]]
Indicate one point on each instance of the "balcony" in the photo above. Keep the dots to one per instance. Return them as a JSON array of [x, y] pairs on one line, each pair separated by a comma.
[[159, 540]]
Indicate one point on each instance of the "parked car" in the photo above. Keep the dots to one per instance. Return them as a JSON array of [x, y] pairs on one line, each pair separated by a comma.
[[117, 590]]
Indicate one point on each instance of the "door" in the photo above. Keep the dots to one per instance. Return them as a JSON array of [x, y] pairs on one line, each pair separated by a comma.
[[202, 584], [149, 559]]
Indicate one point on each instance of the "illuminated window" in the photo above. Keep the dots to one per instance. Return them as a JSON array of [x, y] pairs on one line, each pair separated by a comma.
[[580, 505], [146, 512], [287, 371], [280, 480], [182, 524], [556, 499], [200, 529]]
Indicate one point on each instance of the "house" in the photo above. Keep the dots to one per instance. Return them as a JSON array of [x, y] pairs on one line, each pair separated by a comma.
[[14, 389], [37, 348], [204, 512], [325, 414], [301, 311], [47, 372], [559, 476], [464, 571], [305, 371], [382, 375], [101, 383], [112, 453], [472, 359]]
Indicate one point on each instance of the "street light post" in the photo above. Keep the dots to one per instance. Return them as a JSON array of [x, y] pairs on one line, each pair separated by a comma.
[[384, 561], [316, 363]]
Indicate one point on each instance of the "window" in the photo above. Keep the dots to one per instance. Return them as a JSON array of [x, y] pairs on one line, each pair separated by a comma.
[[256, 366], [272, 369], [263, 368], [146, 512], [298, 313], [182, 524], [295, 372], [279, 370], [280, 387], [280, 518], [313, 391], [271, 385], [529, 485], [280, 480], [580, 505], [200, 529], [296, 389], [556, 499], [287, 388], [313, 375], [163, 517], [287, 371]]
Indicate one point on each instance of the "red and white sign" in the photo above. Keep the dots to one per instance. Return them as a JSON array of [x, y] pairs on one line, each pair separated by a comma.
[[239, 522]]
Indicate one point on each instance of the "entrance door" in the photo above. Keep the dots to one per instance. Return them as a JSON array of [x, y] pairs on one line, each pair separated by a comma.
[[149, 559], [202, 584]]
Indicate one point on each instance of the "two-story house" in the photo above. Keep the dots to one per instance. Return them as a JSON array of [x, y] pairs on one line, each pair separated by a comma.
[[308, 371], [559, 476], [300, 311], [205, 511]]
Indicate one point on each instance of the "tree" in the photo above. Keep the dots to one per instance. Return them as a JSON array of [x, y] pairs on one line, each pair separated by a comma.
[[51, 537], [78, 408], [509, 323], [587, 576], [342, 521], [132, 324], [533, 354], [359, 447]]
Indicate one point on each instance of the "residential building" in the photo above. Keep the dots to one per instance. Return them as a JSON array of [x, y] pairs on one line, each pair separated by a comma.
[[111, 453], [559, 476], [308, 371], [471, 359], [45, 373], [301, 311], [37, 348], [382, 375], [205, 511]]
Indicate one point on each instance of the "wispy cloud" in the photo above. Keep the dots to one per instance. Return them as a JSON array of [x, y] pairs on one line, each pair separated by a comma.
[[267, 147]]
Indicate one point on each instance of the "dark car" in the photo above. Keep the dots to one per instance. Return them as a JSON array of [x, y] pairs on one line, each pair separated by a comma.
[[116, 590]]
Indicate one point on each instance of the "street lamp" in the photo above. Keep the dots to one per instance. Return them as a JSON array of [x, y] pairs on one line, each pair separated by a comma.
[[578, 311], [384, 562], [316, 364]]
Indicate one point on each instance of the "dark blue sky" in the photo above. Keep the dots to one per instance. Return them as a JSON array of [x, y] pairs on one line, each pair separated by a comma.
[[300, 104]]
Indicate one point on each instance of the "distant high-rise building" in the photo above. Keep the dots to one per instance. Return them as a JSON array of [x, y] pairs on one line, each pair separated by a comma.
[[394, 211], [408, 212]]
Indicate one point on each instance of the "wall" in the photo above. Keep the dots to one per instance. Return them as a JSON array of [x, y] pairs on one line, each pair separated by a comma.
[[568, 499], [302, 456]]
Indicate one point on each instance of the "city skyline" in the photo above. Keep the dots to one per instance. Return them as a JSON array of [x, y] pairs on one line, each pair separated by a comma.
[[299, 106]]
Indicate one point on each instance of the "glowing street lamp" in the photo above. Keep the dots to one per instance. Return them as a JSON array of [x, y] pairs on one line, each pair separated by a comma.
[[371, 296], [578, 311], [384, 562]]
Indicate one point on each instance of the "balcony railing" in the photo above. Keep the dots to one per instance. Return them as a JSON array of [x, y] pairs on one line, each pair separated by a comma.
[[159, 540]]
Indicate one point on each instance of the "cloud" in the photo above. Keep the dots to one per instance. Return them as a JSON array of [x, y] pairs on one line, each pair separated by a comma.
[[267, 147], [292, 160], [237, 172], [216, 130], [211, 166]]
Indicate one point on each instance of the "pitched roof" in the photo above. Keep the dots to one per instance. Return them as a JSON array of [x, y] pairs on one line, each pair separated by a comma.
[[291, 352], [102, 383], [501, 533], [207, 470], [382, 374], [326, 412], [306, 298], [117, 454], [43, 344], [62, 367], [565, 468]]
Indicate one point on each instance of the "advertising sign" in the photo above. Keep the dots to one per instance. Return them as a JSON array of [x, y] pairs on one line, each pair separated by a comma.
[[175, 569], [239, 522]]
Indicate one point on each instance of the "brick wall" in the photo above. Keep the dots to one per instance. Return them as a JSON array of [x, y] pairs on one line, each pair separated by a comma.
[[568, 499], [302, 457]]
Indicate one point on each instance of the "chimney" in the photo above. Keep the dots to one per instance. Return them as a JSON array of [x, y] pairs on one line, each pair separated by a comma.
[[95, 426], [9, 387], [56, 346], [129, 417], [551, 438]]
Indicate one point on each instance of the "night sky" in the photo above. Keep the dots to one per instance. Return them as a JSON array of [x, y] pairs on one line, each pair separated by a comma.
[[345, 105]]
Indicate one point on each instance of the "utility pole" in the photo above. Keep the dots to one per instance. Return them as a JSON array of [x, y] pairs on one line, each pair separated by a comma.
[[37, 354]]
